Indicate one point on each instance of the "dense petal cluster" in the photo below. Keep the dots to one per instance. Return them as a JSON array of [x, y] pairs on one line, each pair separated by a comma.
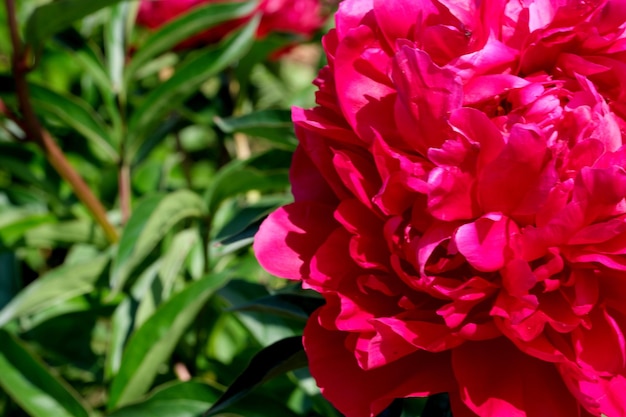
[[298, 17], [460, 203]]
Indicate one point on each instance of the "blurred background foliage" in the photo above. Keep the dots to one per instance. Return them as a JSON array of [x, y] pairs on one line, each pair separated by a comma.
[[187, 151]]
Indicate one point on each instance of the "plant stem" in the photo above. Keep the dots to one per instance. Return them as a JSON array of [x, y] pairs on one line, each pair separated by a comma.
[[36, 133], [124, 191]]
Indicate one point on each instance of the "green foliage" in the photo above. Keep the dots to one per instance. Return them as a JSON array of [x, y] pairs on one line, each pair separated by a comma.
[[187, 151]]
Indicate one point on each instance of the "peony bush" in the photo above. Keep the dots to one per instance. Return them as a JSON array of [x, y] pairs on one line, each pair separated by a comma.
[[297, 17], [459, 202]]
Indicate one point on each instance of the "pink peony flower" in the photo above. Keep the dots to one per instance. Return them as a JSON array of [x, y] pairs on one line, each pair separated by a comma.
[[298, 17], [459, 202]]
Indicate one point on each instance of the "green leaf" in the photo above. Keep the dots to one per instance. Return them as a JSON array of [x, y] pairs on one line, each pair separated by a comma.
[[115, 44], [174, 259], [15, 224], [152, 287], [9, 270], [87, 55], [152, 219], [281, 357], [186, 399], [185, 82], [192, 398], [55, 16], [155, 340], [27, 165], [246, 216], [31, 384], [264, 172], [65, 233], [275, 125], [296, 306], [127, 316], [78, 115], [185, 26], [54, 287]]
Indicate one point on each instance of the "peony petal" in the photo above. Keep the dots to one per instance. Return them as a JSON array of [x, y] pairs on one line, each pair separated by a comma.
[[602, 347], [426, 96], [497, 380], [504, 182], [289, 237], [307, 184], [346, 385], [485, 243], [450, 194], [364, 92], [357, 174]]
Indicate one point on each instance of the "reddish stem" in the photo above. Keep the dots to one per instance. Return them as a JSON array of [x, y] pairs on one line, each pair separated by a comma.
[[36, 133]]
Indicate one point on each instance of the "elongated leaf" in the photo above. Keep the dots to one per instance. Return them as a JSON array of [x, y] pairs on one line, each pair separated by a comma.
[[174, 259], [265, 329], [20, 161], [187, 399], [115, 44], [32, 386], [153, 286], [55, 16], [275, 125], [51, 235], [281, 357], [192, 398], [78, 115], [295, 306], [268, 171], [245, 217], [155, 340], [15, 224], [60, 284], [9, 271], [86, 54], [126, 317], [151, 220], [185, 82], [176, 31]]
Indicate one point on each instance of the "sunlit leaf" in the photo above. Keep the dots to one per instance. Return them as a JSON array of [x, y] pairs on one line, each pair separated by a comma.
[[186, 399], [62, 283], [115, 44], [275, 125], [51, 235], [127, 316], [185, 82], [77, 114], [155, 340], [192, 398], [196, 20], [256, 173], [15, 224], [55, 16], [151, 220]]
